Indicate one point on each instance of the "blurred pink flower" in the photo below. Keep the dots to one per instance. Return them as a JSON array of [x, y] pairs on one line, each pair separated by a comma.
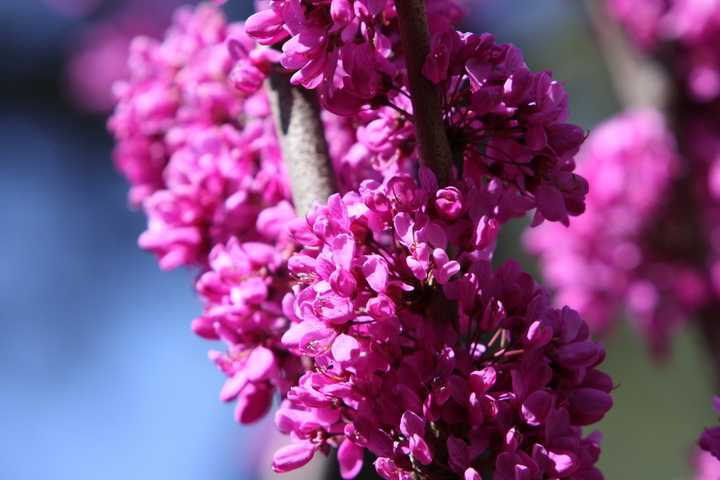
[[707, 467], [609, 260]]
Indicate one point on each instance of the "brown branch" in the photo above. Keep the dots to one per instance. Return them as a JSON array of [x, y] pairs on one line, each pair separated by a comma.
[[639, 81], [434, 146], [302, 138]]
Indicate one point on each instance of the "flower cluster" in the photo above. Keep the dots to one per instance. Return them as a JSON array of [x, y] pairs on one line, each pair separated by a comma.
[[346, 49], [506, 124], [630, 249], [222, 183], [204, 163], [383, 143], [378, 318], [202, 158], [243, 293], [425, 356], [509, 123], [175, 86], [692, 28]]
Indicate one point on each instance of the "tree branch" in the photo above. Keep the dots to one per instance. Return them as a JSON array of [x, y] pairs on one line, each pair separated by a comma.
[[434, 146], [305, 153], [638, 81], [302, 138]]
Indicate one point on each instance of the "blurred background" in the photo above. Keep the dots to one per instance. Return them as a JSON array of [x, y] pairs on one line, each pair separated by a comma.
[[101, 376]]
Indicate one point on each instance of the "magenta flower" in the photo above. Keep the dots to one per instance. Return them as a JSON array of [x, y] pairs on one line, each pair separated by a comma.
[[321, 51], [385, 369], [175, 85], [243, 295], [706, 466], [508, 121], [346, 49], [378, 318], [217, 185]]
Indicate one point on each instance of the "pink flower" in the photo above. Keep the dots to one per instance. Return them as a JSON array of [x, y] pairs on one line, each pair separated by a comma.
[[378, 318], [217, 185], [350, 457], [387, 364], [607, 259], [346, 49], [509, 123], [174, 85], [293, 456], [243, 306]]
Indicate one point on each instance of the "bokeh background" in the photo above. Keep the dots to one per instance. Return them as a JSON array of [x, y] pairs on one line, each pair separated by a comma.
[[100, 374]]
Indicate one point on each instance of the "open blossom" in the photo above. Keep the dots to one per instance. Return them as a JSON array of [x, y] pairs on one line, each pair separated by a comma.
[[425, 356], [609, 259], [243, 293], [346, 49]]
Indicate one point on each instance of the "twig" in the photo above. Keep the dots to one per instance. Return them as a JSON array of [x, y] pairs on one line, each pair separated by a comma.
[[434, 146]]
